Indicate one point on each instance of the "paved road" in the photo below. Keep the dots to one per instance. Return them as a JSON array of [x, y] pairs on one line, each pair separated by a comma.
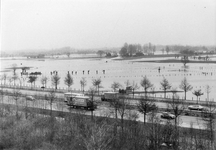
[[61, 95], [103, 110]]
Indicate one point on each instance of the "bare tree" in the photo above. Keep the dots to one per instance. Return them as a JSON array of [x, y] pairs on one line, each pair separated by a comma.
[[14, 68], [167, 49], [92, 92], [185, 86], [1, 78], [127, 83], [154, 49], [146, 84], [10, 80], [100, 53], [197, 93], [123, 105], [208, 90], [68, 80], [177, 106], [145, 106], [83, 83], [154, 131], [185, 60], [68, 54], [4, 77], [115, 104], [52, 98], [44, 80], [55, 80], [165, 85], [163, 50], [16, 96], [209, 117], [2, 94], [32, 79], [14, 78], [97, 83], [97, 137], [134, 87], [115, 86], [23, 79]]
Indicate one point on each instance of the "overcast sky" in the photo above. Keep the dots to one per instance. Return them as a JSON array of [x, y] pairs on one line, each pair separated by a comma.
[[47, 24]]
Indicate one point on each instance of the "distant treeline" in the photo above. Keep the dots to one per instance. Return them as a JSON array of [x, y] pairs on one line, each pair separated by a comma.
[[130, 50], [125, 50]]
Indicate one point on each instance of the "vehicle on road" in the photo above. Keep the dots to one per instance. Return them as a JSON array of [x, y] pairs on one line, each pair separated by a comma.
[[30, 98], [109, 96], [81, 102], [167, 115], [195, 107], [69, 94]]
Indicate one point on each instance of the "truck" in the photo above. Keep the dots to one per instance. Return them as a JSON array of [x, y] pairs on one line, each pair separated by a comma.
[[80, 102], [69, 94], [109, 96]]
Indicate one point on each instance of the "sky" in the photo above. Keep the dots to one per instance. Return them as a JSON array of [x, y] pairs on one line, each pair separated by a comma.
[[84, 24]]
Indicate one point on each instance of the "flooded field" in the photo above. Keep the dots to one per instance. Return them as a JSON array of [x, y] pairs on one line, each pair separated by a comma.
[[109, 70]]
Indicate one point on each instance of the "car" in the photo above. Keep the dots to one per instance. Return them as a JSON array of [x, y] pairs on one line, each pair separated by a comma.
[[167, 115], [195, 107], [30, 98]]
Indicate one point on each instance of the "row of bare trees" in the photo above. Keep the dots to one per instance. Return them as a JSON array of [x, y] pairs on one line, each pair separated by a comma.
[[79, 132], [148, 87], [55, 80], [145, 83], [176, 106]]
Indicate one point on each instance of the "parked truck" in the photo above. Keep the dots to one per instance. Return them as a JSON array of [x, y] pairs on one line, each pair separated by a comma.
[[109, 96], [81, 102]]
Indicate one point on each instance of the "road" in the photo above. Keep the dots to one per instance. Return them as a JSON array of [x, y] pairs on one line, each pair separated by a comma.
[[61, 95], [103, 110]]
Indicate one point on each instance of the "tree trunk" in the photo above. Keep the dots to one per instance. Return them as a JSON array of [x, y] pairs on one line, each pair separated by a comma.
[[144, 118], [185, 95], [92, 114], [16, 109], [51, 109], [122, 123], [133, 93], [175, 121], [145, 92], [116, 115]]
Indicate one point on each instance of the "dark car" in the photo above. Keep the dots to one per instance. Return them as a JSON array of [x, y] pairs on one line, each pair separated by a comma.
[[30, 98]]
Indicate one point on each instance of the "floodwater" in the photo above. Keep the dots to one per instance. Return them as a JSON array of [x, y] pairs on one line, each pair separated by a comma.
[[109, 70]]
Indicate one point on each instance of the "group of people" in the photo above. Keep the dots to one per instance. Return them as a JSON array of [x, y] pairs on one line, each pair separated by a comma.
[[83, 72]]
